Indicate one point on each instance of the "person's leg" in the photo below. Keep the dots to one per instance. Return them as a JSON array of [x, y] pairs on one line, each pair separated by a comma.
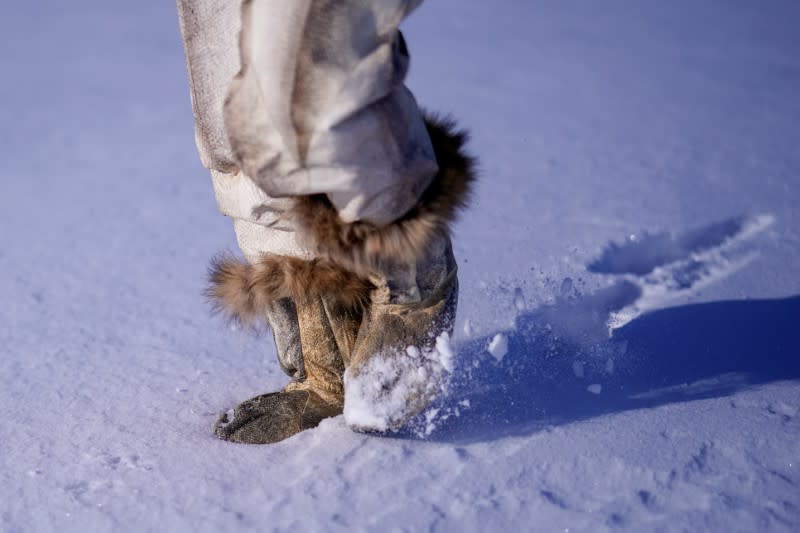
[[210, 30], [391, 293], [317, 114]]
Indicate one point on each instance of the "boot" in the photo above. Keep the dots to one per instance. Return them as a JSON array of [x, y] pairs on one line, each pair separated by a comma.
[[327, 333], [401, 359], [281, 317]]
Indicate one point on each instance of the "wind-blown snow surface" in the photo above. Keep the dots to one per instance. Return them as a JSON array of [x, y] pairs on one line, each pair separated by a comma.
[[641, 176]]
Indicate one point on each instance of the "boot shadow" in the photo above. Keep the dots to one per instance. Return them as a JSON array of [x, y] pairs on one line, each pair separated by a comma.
[[562, 365], [671, 355]]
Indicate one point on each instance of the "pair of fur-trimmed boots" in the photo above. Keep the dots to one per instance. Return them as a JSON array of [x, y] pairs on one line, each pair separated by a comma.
[[356, 326]]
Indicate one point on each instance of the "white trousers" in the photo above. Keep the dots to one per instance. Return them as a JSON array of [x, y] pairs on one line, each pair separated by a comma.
[[304, 97]]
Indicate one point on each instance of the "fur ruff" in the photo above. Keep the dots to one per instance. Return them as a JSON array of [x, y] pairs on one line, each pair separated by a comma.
[[243, 291], [362, 247], [348, 253]]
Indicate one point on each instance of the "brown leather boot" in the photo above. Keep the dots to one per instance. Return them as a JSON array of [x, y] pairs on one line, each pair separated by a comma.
[[327, 333], [401, 359]]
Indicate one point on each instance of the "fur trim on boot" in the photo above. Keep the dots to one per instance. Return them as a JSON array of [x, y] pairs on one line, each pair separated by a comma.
[[363, 247], [243, 291]]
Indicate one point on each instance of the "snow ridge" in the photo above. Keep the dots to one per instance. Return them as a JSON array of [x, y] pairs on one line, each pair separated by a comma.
[[693, 260]]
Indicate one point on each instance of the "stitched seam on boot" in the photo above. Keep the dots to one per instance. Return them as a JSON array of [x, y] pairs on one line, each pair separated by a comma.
[[330, 394]]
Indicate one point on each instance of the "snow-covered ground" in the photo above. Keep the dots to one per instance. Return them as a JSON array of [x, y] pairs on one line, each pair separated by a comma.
[[628, 340]]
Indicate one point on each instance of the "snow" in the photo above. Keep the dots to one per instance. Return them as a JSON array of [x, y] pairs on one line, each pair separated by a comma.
[[595, 388], [498, 347], [637, 214], [388, 388]]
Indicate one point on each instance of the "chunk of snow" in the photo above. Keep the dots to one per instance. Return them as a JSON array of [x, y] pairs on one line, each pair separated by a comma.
[[228, 418], [577, 369], [519, 299], [595, 388], [413, 351], [468, 329], [498, 347]]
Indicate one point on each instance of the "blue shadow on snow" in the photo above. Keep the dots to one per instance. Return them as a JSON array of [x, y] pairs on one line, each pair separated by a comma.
[[672, 355]]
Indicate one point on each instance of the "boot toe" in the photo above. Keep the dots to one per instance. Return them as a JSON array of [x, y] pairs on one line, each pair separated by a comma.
[[273, 417]]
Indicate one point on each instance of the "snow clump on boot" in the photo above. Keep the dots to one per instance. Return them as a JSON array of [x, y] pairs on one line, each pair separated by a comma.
[[389, 389]]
